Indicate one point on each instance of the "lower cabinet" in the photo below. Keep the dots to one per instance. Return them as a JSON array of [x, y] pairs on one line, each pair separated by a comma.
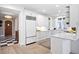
[[42, 35], [75, 46], [60, 46], [30, 40], [39, 36]]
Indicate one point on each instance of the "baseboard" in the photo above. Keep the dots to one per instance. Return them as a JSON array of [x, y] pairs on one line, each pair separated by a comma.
[[31, 43]]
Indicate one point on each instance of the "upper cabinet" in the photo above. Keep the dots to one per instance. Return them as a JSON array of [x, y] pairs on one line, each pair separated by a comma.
[[74, 15], [42, 22]]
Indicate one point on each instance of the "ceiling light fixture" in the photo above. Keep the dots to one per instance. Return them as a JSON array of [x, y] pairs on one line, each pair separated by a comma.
[[57, 5], [8, 16], [57, 15], [59, 11], [43, 10]]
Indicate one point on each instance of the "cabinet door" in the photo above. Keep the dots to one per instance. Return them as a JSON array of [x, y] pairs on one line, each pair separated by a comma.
[[56, 45], [30, 40], [42, 21], [45, 34], [74, 15], [60, 46], [42, 35], [39, 36]]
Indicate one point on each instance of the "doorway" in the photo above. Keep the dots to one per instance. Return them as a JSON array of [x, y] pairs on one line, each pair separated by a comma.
[[8, 28]]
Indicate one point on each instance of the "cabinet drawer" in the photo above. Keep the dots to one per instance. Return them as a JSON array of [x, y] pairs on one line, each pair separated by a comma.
[[42, 35], [30, 40]]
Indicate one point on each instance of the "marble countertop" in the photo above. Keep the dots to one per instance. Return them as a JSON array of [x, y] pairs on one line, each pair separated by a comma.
[[64, 35]]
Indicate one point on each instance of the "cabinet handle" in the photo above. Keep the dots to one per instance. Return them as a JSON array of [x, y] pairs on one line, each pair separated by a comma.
[[30, 36]]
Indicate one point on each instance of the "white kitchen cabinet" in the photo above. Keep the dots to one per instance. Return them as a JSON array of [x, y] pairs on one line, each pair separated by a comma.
[[74, 22], [42, 21], [60, 45], [74, 15], [30, 40], [41, 35]]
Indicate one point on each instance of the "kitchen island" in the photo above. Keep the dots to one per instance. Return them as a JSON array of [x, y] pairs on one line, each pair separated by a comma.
[[61, 42]]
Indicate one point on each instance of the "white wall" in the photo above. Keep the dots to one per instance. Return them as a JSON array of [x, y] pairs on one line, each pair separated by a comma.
[[42, 21], [52, 23], [16, 24], [13, 27], [22, 28]]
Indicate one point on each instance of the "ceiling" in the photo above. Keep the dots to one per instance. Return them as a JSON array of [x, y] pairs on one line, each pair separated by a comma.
[[45, 9], [6, 11]]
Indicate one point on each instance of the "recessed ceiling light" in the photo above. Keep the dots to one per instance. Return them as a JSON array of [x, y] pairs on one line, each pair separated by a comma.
[[7, 16], [57, 5], [43, 10], [59, 11], [57, 15]]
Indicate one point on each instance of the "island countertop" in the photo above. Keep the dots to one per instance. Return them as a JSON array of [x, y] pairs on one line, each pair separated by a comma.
[[64, 35]]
